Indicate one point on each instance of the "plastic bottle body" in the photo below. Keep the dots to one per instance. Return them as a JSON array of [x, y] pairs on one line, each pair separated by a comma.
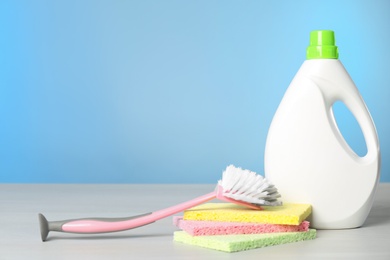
[[307, 158]]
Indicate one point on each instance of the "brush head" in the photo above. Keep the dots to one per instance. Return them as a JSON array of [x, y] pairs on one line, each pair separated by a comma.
[[248, 187]]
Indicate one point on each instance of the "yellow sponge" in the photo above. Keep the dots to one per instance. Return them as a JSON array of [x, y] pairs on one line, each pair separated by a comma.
[[288, 214]]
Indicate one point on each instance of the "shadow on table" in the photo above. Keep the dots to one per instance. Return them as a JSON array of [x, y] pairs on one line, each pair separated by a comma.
[[379, 214], [103, 237]]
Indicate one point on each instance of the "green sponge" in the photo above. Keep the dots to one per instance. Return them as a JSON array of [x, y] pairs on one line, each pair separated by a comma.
[[235, 243]]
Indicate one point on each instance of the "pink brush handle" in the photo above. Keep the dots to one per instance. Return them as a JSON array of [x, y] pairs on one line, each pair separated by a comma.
[[101, 225]]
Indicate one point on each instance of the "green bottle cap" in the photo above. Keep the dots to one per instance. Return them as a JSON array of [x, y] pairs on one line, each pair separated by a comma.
[[322, 45]]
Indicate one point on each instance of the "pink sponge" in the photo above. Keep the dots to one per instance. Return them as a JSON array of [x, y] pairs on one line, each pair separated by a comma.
[[202, 228]]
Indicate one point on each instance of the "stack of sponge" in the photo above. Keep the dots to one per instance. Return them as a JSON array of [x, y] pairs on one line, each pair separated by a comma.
[[229, 227]]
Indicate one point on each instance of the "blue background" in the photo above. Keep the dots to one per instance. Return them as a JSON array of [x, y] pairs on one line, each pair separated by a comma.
[[169, 91]]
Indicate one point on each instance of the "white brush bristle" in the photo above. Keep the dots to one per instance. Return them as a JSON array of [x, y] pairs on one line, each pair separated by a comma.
[[247, 186]]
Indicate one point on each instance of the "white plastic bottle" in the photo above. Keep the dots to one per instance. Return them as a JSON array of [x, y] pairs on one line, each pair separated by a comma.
[[306, 156]]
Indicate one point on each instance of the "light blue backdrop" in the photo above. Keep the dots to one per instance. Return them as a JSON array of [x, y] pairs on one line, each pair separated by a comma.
[[168, 91]]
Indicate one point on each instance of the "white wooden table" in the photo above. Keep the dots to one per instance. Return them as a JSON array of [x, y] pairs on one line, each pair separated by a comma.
[[20, 233]]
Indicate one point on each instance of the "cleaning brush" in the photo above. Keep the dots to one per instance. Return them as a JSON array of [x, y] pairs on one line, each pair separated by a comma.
[[237, 185]]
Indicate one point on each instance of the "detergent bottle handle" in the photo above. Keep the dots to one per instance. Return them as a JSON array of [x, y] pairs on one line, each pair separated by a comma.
[[350, 96]]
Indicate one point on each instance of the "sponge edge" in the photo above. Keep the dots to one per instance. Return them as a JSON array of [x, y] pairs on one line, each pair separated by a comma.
[[204, 228], [287, 214], [235, 243]]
